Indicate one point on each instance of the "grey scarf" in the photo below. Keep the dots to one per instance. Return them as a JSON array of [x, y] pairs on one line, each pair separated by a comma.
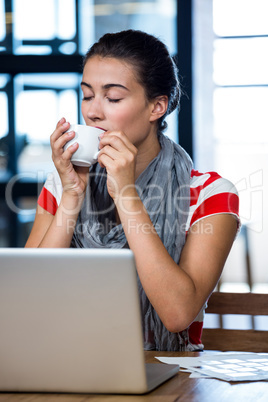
[[164, 188]]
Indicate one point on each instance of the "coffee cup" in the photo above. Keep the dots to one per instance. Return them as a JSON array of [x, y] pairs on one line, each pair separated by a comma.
[[88, 139]]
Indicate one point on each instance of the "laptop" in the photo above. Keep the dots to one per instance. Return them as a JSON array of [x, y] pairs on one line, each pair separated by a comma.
[[70, 322]]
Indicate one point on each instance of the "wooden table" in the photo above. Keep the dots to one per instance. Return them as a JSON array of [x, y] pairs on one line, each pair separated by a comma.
[[179, 388]]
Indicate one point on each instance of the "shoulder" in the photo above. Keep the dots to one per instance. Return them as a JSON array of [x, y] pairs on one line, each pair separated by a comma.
[[211, 194], [208, 181]]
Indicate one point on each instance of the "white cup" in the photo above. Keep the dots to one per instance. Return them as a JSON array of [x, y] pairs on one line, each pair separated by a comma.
[[88, 140]]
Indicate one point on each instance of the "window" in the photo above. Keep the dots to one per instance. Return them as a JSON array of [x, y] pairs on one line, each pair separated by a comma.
[[230, 112], [4, 80], [41, 48]]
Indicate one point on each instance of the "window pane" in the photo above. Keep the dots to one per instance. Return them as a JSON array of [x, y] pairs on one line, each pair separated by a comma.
[[2, 21], [240, 17], [41, 100], [4, 79], [66, 27], [3, 132], [30, 117], [86, 26], [240, 114], [50, 26], [34, 19], [41, 25], [4, 114], [157, 17], [230, 122], [241, 61]]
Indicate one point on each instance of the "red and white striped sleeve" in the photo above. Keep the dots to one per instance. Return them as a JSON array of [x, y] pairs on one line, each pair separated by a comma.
[[51, 193], [211, 195]]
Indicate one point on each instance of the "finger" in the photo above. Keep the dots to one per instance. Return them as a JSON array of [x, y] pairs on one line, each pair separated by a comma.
[[109, 157], [63, 158], [105, 161], [123, 137], [68, 153], [58, 146], [62, 128], [117, 140], [123, 155], [111, 152], [60, 122], [64, 139]]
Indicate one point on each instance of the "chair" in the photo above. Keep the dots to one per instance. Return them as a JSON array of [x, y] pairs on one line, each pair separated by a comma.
[[236, 340]]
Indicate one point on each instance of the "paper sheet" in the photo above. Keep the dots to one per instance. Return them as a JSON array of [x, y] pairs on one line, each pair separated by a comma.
[[229, 366]]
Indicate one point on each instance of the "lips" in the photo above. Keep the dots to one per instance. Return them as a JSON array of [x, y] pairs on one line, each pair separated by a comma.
[[100, 128]]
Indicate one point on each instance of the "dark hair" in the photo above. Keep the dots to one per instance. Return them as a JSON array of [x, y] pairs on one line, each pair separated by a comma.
[[155, 68]]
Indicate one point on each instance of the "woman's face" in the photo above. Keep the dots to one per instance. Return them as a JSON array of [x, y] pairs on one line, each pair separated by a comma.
[[114, 100]]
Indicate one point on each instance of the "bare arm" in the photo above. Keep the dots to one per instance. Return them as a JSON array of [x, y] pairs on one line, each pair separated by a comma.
[[54, 231], [178, 292], [42, 222], [57, 231]]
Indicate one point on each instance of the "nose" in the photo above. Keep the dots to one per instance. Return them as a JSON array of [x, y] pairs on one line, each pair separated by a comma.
[[94, 110]]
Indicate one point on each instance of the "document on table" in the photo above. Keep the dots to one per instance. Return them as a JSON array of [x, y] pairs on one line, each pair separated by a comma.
[[227, 366]]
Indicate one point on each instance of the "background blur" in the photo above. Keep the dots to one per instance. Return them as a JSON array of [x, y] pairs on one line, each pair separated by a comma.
[[222, 52]]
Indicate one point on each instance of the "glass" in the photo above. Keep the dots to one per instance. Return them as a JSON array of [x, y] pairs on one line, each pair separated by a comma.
[[44, 26], [2, 21], [246, 108], [157, 17], [67, 26], [4, 114], [3, 131], [4, 80], [62, 27], [40, 101], [240, 17], [241, 61], [51, 26], [230, 116]]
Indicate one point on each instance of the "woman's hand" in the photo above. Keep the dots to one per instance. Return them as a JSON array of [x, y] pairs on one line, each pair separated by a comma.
[[118, 155], [74, 179]]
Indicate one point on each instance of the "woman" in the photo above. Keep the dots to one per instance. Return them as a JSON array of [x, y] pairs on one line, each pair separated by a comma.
[[142, 193]]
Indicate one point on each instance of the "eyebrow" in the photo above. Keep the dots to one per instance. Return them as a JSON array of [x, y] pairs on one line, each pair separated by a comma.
[[106, 86]]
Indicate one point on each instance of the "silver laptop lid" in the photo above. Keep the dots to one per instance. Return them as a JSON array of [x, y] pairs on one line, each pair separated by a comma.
[[70, 321]]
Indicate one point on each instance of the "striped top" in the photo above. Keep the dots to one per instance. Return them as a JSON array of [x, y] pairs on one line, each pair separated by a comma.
[[210, 194]]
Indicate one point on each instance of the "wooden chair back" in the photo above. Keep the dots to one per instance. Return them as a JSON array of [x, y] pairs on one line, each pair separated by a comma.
[[232, 339]]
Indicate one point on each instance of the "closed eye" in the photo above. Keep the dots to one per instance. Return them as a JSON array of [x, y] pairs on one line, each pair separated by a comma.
[[87, 98], [112, 100]]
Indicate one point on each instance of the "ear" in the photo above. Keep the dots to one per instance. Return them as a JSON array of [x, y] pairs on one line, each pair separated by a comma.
[[159, 107]]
